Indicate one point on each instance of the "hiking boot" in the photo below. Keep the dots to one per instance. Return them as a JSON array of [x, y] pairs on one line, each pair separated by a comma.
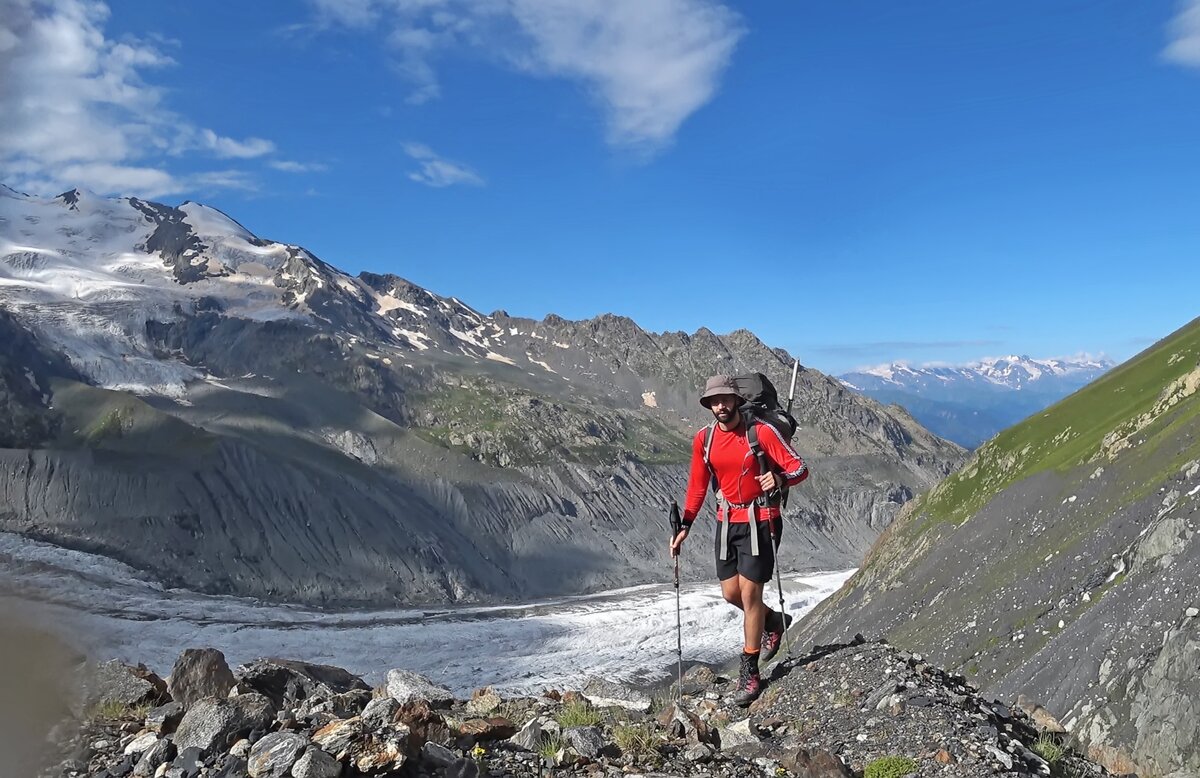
[[750, 683], [772, 639]]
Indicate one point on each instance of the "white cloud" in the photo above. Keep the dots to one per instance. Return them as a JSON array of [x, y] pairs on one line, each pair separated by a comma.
[[77, 111], [228, 147], [291, 166], [438, 172], [649, 64], [1184, 34]]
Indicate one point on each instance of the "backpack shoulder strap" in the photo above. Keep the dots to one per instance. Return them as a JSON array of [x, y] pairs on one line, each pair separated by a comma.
[[709, 432]]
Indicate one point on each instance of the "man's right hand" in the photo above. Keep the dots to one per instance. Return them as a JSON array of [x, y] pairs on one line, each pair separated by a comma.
[[677, 543]]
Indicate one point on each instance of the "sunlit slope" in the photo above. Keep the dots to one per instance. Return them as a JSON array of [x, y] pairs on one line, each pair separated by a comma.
[[1061, 562]]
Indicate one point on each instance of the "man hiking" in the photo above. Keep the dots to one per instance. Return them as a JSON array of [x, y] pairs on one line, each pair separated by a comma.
[[747, 512]]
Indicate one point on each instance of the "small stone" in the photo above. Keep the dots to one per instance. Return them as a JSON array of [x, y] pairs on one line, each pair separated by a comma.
[[240, 749], [162, 752], [944, 757], [1192, 613], [141, 743], [701, 752], [483, 702]]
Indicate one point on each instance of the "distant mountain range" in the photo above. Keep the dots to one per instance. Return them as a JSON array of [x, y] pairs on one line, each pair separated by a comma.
[[970, 403]]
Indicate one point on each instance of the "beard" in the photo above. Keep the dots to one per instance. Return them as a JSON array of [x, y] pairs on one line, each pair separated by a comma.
[[725, 416]]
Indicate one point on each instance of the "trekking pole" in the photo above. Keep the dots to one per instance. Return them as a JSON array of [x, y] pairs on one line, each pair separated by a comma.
[[676, 528], [774, 539]]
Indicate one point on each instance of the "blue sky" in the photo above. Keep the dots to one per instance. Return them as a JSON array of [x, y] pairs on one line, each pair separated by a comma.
[[856, 182]]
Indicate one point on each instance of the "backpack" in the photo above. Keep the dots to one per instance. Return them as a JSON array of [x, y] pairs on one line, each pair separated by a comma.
[[762, 405]]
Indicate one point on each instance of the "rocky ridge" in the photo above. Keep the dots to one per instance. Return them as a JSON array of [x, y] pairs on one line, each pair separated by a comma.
[[856, 709]]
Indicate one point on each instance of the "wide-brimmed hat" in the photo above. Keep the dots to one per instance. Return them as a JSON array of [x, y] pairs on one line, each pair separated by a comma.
[[717, 386]]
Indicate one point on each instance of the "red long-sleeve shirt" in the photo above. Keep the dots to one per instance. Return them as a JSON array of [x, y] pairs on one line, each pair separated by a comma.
[[737, 470]]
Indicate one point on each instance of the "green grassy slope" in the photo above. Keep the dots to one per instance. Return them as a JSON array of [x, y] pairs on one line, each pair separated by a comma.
[[1073, 431]]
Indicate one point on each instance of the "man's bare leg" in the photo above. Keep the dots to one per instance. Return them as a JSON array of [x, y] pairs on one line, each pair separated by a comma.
[[755, 610], [731, 590]]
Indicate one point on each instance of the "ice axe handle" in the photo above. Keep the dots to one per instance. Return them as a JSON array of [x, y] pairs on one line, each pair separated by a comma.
[[676, 521]]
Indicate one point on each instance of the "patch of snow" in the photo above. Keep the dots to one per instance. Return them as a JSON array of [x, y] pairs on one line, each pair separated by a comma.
[[498, 358], [418, 340], [562, 345], [543, 365], [387, 302], [649, 400]]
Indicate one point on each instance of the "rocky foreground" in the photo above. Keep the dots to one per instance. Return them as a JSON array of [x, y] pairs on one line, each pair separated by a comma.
[[856, 709]]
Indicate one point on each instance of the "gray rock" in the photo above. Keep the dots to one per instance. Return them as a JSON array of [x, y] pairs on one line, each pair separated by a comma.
[[274, 755], [404, 686], [530, 736], [587, 741], [700, 752], [115, 682], [604, 694], [463, 768], [336, 737], [286, 681], [216, 724], [483, 704], [737, 734], [240, 749], [379, 713], [165, 718], [160, 753], [140, 743], [200, 673], [438, 755], [315, 763]]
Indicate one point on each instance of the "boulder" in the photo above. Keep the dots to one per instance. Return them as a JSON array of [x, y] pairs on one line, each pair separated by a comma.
[[379, 713], [116, 683], [587, 741], [284, 681], [200, 673], [404, 686], [217, 724], [274, 755], [315, 763], [337, 737], [608, 694], [165, 718]]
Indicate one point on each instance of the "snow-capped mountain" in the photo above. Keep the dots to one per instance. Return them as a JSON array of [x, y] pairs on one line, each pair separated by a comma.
[[970, 403], [233, 414]]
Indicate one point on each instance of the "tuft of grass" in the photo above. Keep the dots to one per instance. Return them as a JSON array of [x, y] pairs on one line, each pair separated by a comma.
[[551, 746], [635, 739], [115, 710], [1050, 748], [578, 714], [890, 767]]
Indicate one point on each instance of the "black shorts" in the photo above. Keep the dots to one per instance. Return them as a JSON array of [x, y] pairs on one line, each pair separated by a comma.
[[740, 560]]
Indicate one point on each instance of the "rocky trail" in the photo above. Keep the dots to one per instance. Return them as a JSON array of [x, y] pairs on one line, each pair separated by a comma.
[[855, 709]]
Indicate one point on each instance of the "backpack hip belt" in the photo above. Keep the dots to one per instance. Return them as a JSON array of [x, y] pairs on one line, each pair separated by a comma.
[[752, 509]]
